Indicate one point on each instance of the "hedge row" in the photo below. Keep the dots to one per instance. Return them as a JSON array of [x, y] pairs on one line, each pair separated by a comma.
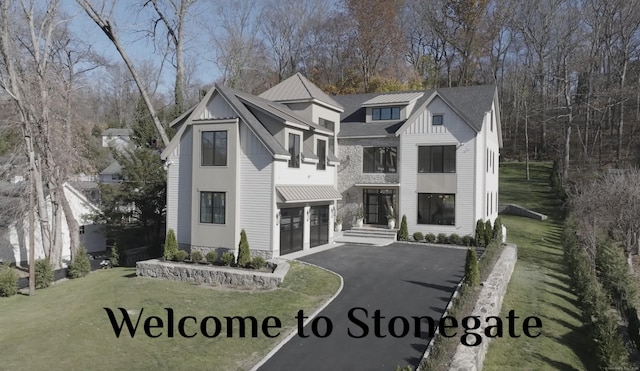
[[593, 298]]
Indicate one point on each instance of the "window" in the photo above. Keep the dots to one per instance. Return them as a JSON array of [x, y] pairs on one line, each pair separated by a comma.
[[327, 124], [214, 148], [385, 113], [379, 159], [81, 229], [437, 119], [434, 208], [294, 150], [437, 159], [212, 207], [321, 152]]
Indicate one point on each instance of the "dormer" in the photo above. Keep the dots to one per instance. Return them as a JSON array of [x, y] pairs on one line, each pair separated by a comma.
[[390, 107]]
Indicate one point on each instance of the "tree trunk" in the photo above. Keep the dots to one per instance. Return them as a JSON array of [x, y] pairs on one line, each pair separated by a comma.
[[72, 223]]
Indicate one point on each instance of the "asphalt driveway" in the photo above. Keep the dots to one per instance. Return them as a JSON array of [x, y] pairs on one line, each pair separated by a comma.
[[398, 280]]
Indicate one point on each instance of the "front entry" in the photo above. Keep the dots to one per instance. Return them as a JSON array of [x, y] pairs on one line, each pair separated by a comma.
[[378, 203], [291, 230], [319, 225]]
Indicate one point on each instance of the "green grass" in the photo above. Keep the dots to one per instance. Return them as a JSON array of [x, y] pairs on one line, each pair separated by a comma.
[[539, 285], [66, 327]]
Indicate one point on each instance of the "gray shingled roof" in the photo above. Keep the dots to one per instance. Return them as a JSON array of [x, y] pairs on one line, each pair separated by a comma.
[[298, 88], [113, 168], [470, 101]]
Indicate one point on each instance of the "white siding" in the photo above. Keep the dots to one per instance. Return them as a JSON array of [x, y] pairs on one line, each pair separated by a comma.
[[256, 197], [179, 189], [421, 132], [217, 108]]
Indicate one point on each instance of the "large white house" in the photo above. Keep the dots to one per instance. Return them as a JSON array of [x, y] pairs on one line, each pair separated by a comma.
[[284, 164]]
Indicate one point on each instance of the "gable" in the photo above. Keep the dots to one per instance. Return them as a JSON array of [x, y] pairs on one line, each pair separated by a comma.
[[217, 108], [453, 124]]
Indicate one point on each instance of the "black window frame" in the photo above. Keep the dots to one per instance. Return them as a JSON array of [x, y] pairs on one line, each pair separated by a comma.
[[433, 119], [213, 156], [294, 151], [375, 167], [221, 216], [427, 216], [377, 113], [428, 162], [322, 155]]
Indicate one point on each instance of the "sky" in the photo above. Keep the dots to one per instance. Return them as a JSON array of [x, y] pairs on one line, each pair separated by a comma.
[[131, 22]]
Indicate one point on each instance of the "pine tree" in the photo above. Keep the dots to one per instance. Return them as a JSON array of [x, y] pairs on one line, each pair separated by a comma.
[[479, 236], [244, 254], [471, 272], [170, 245], [403, 232]]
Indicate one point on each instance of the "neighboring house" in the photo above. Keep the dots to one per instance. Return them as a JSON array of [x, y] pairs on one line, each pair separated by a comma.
[[111, 174], [431, 155], [14, 230], [282, 165], [118, 139]]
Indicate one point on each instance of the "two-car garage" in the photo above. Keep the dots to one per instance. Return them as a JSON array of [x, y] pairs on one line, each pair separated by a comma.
[[292, 228], [305, 216]]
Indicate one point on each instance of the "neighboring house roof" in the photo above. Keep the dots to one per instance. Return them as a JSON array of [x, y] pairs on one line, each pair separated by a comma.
[[113, 168], [116, 132], [298, 88]]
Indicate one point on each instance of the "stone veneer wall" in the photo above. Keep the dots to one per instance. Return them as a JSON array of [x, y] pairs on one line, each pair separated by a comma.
[[213, 275], [350, 173], [489, 304]]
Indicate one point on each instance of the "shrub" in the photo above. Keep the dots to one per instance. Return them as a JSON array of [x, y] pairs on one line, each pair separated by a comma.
[[44, 273], [80, 266], [196, 256], [8, 281], [244, 254], [403, 232], [258, 262], [479, 233], [417, 236], [115, 256], [211, 257], [471, 272], [180, 256], [442, 238], [467, 241], [455, 239], [227, 258], [170, 246], [497, 230], [430, 237], [488, 232]]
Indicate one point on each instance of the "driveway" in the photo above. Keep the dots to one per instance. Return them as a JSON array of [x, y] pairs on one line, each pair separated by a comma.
[[398, 280]]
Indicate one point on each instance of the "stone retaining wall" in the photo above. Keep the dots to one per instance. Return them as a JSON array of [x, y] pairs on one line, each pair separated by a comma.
[[214, 275], [489, 304], [520, 211]]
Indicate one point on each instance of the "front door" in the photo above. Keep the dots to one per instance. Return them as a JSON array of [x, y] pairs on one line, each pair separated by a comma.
[[319, 225], [378, 203], [291, 229]]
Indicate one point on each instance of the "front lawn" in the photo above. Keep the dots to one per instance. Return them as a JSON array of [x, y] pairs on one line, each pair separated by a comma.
[[539, 285], [66, 327]]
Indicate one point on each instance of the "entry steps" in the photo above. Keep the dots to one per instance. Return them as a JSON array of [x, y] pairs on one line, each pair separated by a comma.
[[368, 236]]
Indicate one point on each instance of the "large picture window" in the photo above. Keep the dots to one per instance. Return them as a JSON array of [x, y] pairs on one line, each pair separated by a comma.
[[212, 207], [214, 148], [379, 159], [385, 113], [294, 150], [434, 208], [437, 159], [321, 152]]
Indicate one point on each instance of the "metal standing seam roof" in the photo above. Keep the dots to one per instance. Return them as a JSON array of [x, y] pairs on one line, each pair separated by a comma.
[[298, 88], [304, 193], [404, 98]]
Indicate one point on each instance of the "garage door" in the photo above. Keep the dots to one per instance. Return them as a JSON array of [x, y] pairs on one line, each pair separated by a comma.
[[291, 229], [319, 223]]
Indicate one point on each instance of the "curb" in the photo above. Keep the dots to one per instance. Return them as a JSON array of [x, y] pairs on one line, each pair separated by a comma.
[[294, 331]]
